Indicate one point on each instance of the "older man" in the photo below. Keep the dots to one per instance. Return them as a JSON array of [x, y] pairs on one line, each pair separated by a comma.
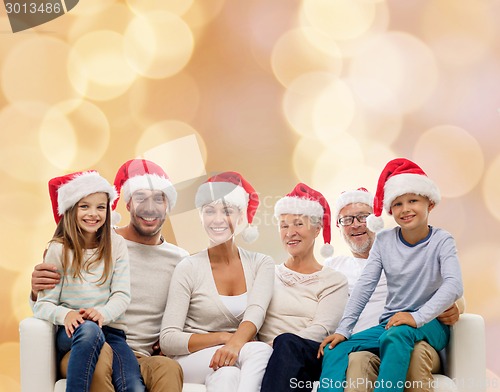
[[351, 210], [149, 196]]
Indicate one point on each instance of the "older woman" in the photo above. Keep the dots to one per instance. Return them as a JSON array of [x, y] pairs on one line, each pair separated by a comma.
[[218, 298], [308, 299]]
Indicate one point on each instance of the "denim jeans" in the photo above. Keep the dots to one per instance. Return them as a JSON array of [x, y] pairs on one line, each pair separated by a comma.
[[395, 345], [85, 346], [293, 366]]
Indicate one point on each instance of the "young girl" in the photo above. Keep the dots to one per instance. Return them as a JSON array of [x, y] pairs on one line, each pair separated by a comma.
[[94, 291]]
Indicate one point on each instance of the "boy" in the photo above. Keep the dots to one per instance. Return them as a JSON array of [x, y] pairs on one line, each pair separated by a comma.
[[423, 278]]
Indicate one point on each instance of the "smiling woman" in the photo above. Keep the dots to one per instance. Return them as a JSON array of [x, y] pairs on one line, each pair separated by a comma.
[[218, 297], [308, 299]]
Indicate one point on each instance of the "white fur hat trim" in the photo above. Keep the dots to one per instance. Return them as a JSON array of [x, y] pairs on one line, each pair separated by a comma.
[[298, 206], [402, 184], [150, 182]]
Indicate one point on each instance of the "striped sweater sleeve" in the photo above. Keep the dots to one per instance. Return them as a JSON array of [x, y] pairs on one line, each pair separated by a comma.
[[47, 307], [119, 296]]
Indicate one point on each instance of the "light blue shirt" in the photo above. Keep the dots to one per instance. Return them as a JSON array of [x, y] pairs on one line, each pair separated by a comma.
[[423, 279]]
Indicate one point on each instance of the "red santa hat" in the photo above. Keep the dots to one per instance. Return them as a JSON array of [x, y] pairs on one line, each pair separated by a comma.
[[65, 191], [233, 189], [303, 200], [399, 177], [360, 195], [137, 174]]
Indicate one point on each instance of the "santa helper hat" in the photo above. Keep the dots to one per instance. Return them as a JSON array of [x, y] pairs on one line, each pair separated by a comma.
[[65, 191], [360, 195], [137, 174], [303, 200], [232, 188], [400, 176]]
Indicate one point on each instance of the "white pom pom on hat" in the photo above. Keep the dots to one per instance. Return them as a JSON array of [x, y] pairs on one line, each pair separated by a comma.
[[399, 177], [303, 200]]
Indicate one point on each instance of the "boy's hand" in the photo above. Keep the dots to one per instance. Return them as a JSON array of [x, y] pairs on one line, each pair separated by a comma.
[[334, 339], [71, 322], [93, 315], [401, 318]]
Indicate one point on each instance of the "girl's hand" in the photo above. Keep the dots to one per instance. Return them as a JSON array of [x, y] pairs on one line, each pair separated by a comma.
[[227, 355], [93, 315], [401, 318], [71, 322], [334, 339]]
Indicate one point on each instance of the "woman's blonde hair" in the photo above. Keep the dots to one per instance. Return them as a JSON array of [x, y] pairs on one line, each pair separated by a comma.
[[69, 234]]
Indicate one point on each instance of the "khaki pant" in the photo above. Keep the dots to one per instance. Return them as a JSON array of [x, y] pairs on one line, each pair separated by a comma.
[[363, 370], [160, 374]]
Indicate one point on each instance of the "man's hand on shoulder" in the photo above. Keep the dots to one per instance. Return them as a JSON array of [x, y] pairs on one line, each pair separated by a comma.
[[450, 316], [43, 277]]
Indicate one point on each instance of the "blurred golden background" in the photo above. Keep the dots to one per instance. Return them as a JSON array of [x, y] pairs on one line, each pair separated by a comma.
[[319, 91]]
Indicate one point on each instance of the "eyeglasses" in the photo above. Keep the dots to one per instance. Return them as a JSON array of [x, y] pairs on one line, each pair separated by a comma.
[[348, 220]]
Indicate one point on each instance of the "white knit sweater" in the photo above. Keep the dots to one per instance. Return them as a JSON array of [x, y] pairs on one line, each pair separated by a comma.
[[308, 305], [194, 305]]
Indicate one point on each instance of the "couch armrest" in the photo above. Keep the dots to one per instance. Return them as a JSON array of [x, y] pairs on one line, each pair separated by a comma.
[[466, 354], [38, 355]]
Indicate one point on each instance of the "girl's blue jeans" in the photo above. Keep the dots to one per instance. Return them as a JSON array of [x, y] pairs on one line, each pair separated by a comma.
[[85, 346], [394, 345]]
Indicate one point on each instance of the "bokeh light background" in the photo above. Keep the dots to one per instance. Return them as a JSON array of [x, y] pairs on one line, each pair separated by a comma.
[[319, 91]]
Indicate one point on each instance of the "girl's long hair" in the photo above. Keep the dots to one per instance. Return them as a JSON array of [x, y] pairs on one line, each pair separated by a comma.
[[69, 234]]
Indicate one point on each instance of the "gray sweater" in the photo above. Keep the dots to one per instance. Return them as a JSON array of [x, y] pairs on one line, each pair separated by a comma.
[[194, 305], [151, 268], [423, 279]]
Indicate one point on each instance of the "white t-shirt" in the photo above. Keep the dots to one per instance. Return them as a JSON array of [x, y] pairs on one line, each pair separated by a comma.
[[352, 267]]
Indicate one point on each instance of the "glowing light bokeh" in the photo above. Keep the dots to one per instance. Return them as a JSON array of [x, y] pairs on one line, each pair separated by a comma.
[[339, 19], [178, 7], [9, 350], [150, 100], [334, 111], [92, 7], [304, 157], [158, 44], [43, 83], [397, 69], [345, 152], [293, 55], [171, 142], [301, 100], [25, 116], [460, 33], [98, 58], [491, 187], [74, 137], [91, 21], [319, 91], [454, 159]]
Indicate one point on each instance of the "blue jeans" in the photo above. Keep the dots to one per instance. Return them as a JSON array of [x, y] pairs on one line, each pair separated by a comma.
[[293, 366], [85, 346], [395, 345]]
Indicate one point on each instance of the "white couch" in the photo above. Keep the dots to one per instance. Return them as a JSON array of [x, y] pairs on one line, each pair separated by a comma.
[[465, 364]]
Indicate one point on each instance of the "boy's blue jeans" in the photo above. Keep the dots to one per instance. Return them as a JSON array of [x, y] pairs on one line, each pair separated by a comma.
[[85, 346], [394, 345]]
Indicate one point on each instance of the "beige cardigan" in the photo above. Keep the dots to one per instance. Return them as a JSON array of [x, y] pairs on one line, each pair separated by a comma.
[[194, 305]]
